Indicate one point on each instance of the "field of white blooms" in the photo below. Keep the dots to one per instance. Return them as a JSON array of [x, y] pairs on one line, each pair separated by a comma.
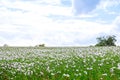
[[65, 63]]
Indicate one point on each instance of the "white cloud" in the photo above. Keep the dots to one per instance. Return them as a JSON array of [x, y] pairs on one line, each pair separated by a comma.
[[116, 28], [54, 33], [108, 3], [30, 24]]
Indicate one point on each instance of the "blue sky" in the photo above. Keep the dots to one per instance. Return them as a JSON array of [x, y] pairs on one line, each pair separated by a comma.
[[58, 22]]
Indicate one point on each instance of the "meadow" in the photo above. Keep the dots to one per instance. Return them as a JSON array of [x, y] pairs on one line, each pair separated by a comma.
[[60, 63]]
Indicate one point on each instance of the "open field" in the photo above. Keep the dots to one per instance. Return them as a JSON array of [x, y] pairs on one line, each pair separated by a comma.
[[73, 63]]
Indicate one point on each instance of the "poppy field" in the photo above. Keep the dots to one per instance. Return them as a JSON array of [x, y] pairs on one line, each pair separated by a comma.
[[59, 63]]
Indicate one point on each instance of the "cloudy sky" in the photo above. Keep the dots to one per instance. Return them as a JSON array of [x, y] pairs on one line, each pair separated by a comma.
[[58, 22]]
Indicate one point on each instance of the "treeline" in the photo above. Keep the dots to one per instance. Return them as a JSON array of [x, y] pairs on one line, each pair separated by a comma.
[[101, 41], [106, 40]]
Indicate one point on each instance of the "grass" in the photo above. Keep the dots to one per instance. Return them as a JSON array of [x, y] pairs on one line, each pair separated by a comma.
[[89, 63]]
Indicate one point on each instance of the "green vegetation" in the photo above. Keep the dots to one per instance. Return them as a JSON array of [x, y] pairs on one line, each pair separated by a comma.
[[40, 45], [89, 63], [106, 41]]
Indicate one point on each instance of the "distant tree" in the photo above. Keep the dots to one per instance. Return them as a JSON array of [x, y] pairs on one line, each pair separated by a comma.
[[40, 45], [106, 41], [5, 45]]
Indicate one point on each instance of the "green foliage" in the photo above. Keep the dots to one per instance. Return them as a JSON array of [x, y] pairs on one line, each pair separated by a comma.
[[106, 41], [40, 45], [93, 63]]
